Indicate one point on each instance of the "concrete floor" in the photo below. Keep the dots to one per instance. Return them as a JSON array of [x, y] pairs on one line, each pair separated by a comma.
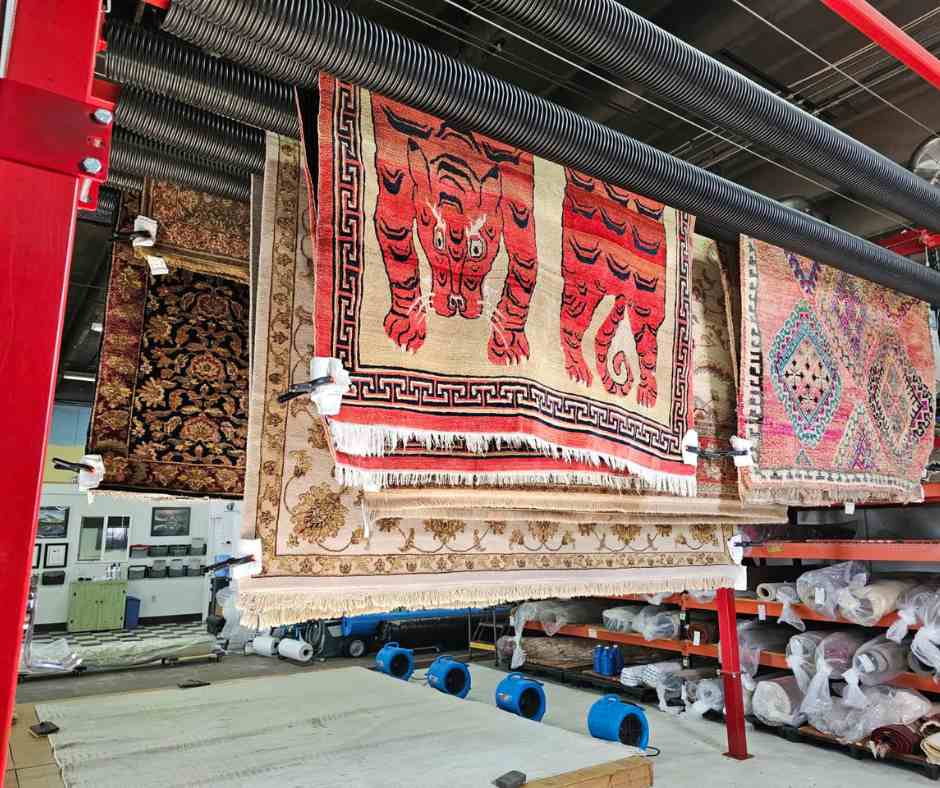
[[691, 749]]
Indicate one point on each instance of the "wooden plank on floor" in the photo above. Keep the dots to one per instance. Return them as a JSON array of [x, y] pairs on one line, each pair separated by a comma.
[[635, 772], [47, 776], [25, 749]]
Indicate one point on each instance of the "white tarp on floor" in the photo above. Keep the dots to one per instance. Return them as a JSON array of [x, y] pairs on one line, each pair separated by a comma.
[[348, 727]]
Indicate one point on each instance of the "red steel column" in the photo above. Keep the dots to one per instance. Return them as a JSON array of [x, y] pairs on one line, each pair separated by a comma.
[[731, 674], [52, 49], [888, 36]]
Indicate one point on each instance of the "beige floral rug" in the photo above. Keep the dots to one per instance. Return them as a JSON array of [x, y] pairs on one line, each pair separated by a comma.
[[324, 555]]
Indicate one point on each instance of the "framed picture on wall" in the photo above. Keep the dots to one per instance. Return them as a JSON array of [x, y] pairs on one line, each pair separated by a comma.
[[169, 521], [57, 556], [37, 555], [53, 522]]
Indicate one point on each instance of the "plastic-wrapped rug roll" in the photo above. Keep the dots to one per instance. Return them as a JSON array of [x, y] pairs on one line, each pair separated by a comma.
[[912, 605], [819, 589], [885, 706], [297, 650], [755, 638], [867, 605], [768, 591], [926, 645], [833, 657], [265, 645], [876, 662], [788, 596], [777, 701], [670, 686], [657, 623], [708, 694], [649, 674], [620, 619], [801, 655]]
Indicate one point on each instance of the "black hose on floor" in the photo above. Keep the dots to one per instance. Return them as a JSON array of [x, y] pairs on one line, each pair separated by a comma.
[[164, 65], [144, 158], [360, 51], [223, 142]]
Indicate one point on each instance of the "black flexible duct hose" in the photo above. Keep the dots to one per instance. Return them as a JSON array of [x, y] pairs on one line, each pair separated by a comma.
[[625, 44], [168, 67], [142, 157], [230, 145], [182, 23], [360, 51], [124, 181]]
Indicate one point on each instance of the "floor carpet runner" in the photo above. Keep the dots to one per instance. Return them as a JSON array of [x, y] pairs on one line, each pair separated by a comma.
[[486, 299], [323, 555], [837, 384], [170, 413]]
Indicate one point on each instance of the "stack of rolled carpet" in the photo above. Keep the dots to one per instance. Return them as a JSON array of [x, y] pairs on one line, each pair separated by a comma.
[[657, 623], [650, 674], [867, 605], [801, 655], [819, 589], [754, 638], [912, 606]]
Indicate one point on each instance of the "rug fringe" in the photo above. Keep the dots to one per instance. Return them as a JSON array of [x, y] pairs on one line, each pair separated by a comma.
[[364, 440], [350, 476], [272, 608]]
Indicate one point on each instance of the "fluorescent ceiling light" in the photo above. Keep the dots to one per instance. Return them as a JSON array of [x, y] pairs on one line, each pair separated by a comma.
[[79, 376]]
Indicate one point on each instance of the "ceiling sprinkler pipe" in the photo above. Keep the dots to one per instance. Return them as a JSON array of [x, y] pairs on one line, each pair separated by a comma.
[[357, 50]]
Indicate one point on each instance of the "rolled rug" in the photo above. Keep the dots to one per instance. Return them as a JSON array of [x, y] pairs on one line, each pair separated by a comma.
[[867, 605], [819, 589], [671, 686], [620, 619], [788, 596], [634, 675], [702, 632], [767, 592], [897, 739], [911, 607], [755, 638], [926, 644], [777, 701], [931, 747], [876, 662], [657, 623], [801, 655], [707, 694], [833, 657]]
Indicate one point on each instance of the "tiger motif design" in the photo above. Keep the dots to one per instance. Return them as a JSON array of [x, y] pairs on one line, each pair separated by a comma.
[[613, 244], [467, 194]]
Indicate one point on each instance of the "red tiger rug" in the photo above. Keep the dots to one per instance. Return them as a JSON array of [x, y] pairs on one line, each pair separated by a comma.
[[484, 299]]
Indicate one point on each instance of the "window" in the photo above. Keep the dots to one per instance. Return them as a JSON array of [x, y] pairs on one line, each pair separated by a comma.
[[100, 541]]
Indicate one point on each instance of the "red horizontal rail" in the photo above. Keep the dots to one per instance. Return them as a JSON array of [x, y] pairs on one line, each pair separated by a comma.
[[850, 550], [773, 610]]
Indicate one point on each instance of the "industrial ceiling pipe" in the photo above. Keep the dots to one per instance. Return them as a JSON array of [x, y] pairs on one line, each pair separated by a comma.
[[625, 44], [141, 157], [166, 66], [182, 23], [876, 26], [227, 143], [360, 51]]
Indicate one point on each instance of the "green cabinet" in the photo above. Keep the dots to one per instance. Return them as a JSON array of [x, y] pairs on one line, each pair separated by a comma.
[[96, 605]]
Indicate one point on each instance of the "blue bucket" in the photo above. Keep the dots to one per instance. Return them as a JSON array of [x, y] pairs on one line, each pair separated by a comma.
[[613, 720], [449, 676], [521, 696], [396, 661]]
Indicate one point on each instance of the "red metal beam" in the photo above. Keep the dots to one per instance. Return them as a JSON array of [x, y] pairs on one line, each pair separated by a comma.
[[909, 242], [888, 36], [731, 674], [52, 54], [850, 550]]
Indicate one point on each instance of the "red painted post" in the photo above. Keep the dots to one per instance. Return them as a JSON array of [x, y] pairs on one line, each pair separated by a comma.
[[876, 26], [731, 674], [51, 55]]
